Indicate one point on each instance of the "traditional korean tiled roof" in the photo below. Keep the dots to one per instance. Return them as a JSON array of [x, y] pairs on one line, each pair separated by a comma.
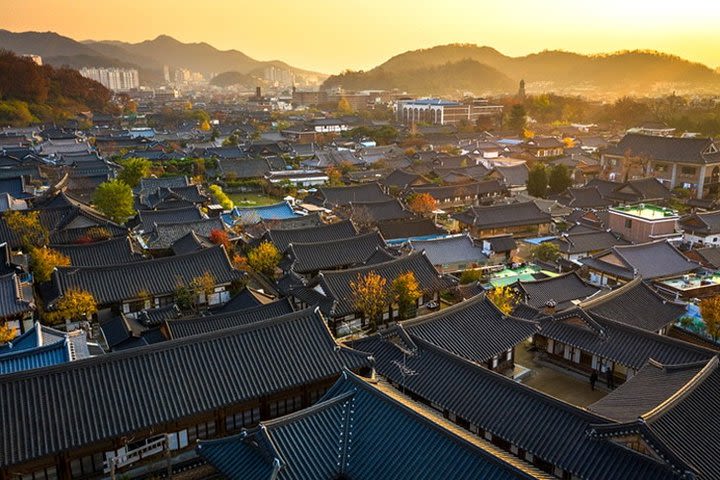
[[637, 304], [504, 215], [148, 218], [153, 183], [113, 284], [336, 196], [247, 298], [565, 290], [513, 175], [102, 253], [649, 260], [402, 179], [584, 242], [449, 250], [164, 383], [338, 292], [474, 329], [671, 149], [165, 197], [186, 327], [641, 190], [42, 346], [449, 192], [12, 297], [651, 386], [584, 197], [335, 231], [708, 256], [347, 252], [680, 430], [353, 426], [163, 236], [374, 212], [547, 428], [501, 243], [625, 344], [409, 228], [702, 223], [381, 255], [189, 243], [39, 357]]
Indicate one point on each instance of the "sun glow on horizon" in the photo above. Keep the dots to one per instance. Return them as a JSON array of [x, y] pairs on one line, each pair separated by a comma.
[[331, 36]]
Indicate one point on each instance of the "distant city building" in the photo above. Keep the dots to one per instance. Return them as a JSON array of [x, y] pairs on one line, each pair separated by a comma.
[[116, 79], [444, 112], [35, 58]]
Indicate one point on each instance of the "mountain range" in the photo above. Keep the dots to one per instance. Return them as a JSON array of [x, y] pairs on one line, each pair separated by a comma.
[[149, 57], [448, 70], [484, 70]]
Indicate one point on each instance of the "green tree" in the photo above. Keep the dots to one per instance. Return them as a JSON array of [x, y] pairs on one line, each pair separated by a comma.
[[264, 258], [44, 260], [134, 170], [559, 179], [545, 252], [115, 200], [537, 181], [518, 119], [405, 291]]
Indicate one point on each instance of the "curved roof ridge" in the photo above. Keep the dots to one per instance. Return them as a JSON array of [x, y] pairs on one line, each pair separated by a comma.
[[594, 302], [508, 381], [683, 392]]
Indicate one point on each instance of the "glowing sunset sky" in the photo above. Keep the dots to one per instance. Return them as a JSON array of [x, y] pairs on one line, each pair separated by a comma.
[[332, 35]]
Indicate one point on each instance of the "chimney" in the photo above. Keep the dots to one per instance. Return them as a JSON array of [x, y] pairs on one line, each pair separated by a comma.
[[550, 307], [258, 93]]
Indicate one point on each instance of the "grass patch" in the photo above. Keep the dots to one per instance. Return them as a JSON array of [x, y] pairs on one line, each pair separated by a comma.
[[252, 199]]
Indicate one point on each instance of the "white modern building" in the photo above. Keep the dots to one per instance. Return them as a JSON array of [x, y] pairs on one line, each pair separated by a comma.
[[116, 79]]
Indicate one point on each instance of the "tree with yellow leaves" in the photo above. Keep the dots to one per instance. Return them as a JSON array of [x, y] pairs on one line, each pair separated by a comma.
[[569, 142], [406, 291], [264, 259], [221, 197], [710, 311], [6, 333], [27, 227], [75, 304], [422, 203], [205, 126], [370, 296], [44, 260], [344, 107], [504, 299]]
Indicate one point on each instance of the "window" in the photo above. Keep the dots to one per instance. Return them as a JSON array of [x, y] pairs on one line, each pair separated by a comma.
[[628, 223], [688, 170], [661, 167], [242, 419], [285, 406], [87, 465]]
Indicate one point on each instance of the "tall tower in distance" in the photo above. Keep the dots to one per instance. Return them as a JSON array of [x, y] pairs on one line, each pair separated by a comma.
[[521, 90]]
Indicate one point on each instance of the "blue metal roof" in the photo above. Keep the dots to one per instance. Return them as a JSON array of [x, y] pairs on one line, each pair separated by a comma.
[[252, 215], [45, 356], [358, 432]]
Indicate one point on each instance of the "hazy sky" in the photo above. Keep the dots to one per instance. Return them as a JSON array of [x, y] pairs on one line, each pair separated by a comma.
[[333, 35]]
